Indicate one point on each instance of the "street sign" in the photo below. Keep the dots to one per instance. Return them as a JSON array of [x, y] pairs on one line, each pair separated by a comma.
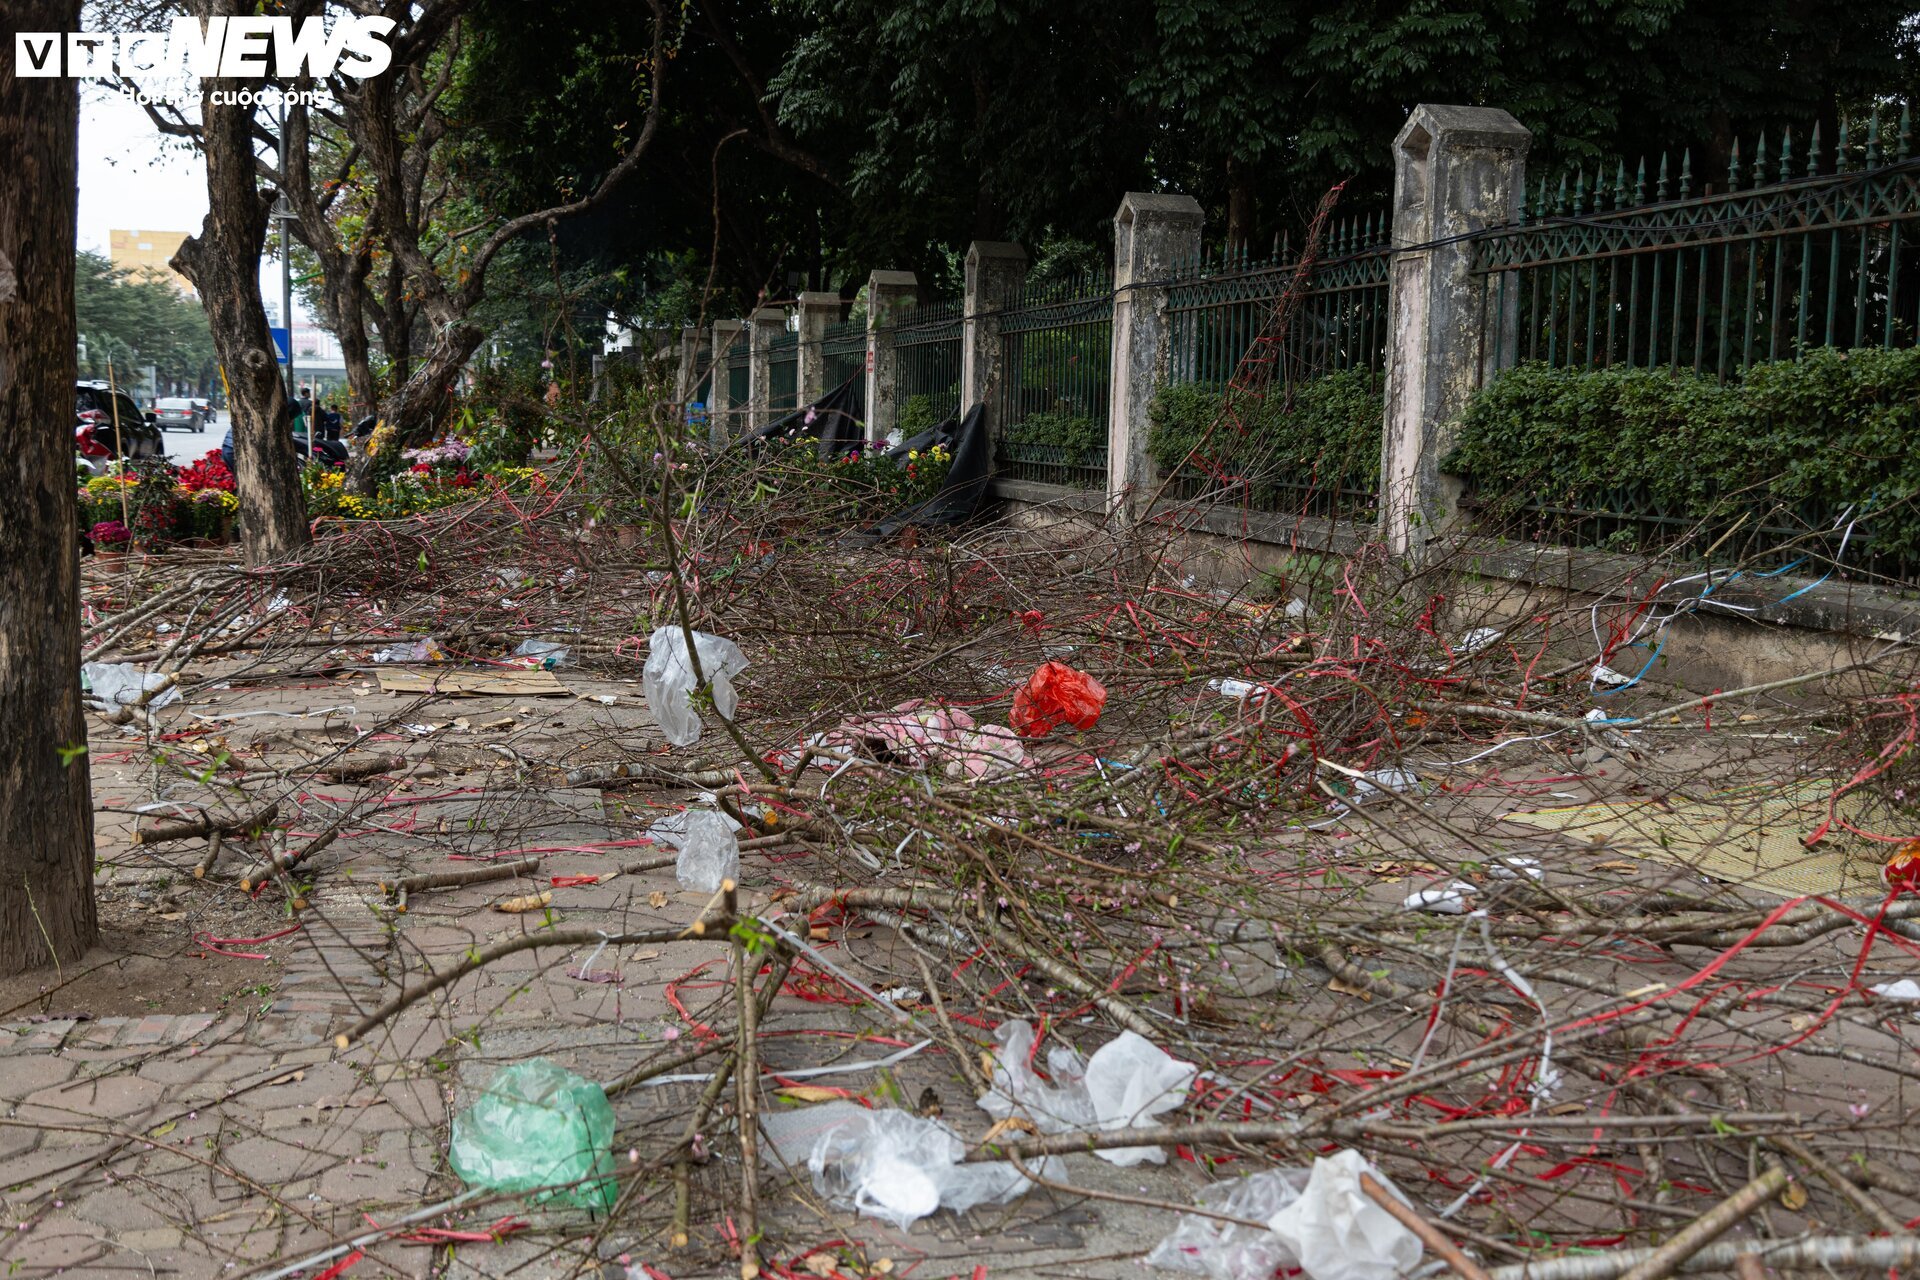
[[280, 342]]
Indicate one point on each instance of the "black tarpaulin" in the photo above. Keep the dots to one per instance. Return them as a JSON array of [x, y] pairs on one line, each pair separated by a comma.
[[837, 420]]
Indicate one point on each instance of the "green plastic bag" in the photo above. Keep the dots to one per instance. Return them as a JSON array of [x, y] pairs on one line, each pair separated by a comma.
[[539, 1125]]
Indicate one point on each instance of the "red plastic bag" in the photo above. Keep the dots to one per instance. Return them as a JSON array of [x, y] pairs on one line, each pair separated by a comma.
[[1056, 694]]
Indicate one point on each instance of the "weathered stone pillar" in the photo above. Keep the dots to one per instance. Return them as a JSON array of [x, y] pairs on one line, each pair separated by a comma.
[[817, 311], [994, 270], [1152, 234], [1456, 170], [767, 323], [888, 294], [729, 339]]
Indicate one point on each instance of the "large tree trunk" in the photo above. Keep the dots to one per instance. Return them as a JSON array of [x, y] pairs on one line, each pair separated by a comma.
[[46, 813], [223, 262], [1239, 206], [419, 405]]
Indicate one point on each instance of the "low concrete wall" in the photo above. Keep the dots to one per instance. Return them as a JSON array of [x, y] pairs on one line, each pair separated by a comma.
[[1754, 636]]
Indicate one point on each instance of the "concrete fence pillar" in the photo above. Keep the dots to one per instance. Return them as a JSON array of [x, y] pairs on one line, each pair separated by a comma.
[[817, 311], [1152, 235], [767, 324], [729, 338], [888, 294], [994, 270], [1456, 170]]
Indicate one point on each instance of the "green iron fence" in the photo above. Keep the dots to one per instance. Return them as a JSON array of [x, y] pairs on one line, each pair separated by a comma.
[[926, 353], [1797, 248], [783, 373], [1802, 245], [1056, 346], [843, 351], [1218, 306]]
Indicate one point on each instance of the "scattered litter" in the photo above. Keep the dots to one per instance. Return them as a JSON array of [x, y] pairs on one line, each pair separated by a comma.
[[1369, 785], [1226, 1250], [1238, 689], [1450, 901], [427, 650], [1335, 1231], [668, 680], [1125, 1084], [711, 853], [538, 1125], [1901, 989], [670, 830], [544, 653], [1516, 867], [1054, 695], [1476, 640], [889, 1164], [918, 733], [121, 684], [1604, 674]]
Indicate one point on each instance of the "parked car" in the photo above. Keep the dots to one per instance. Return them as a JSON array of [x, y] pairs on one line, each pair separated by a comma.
[[178, 413], [96, 441]]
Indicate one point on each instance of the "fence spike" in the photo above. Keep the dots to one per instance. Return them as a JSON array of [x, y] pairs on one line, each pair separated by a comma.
[[1660, 187], [1733, 167], [1906, 131], [1579, 192], [1873, 138], [1686, 172], [1760, 161], [1786, 154], [1840, 149], [1640, 182], [1813, 151]]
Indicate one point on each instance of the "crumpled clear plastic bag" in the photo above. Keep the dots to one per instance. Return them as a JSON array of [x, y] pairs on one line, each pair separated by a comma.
[[537, 1126], [545, 653], [1125, 1084], [709, 854], [428, 650], [121, 684], [667, 680], [1054, 695], [1226, 1250], [1337, 1232], [1063, 1107], [890, 1165]]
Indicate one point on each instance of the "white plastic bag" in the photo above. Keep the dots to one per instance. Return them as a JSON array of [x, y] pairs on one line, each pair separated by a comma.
[[710, 854], [1125, 1084], [1131, 1080], [1226, 1250], [667, 680], [1336, 1232], [1450, 900], [121, 684], [889, 1164], [1061, 1108]]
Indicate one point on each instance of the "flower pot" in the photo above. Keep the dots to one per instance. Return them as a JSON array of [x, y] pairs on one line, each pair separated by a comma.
[[110, 559]]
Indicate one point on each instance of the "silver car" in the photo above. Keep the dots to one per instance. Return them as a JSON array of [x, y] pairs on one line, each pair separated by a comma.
[[176, 413]]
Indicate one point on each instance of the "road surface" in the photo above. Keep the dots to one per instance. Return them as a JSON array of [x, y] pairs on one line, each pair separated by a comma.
[[184, 447]]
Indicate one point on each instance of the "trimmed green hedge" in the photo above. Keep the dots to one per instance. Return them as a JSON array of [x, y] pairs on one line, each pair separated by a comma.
[[1815, 434], [1332, 431], [1081, 437]]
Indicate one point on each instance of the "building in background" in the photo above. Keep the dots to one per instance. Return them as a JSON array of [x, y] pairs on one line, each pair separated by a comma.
[[148, 253]]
